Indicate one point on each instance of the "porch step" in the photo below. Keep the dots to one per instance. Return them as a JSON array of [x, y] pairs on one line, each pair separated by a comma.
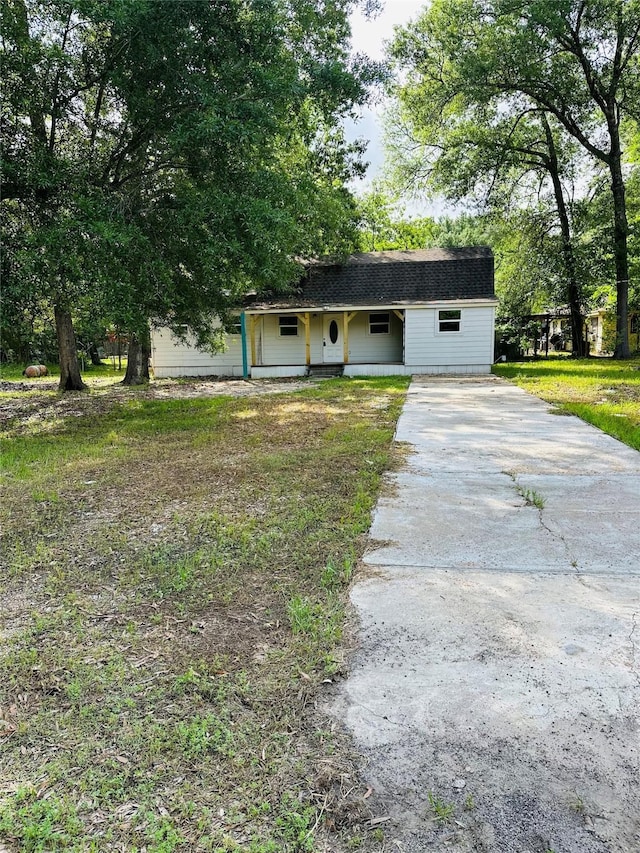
[[325, 370]]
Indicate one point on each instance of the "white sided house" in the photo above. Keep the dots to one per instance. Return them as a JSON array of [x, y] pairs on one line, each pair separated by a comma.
[[376, 314]]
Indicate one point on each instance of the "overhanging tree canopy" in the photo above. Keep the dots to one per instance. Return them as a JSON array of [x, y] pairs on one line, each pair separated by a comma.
[[576, 60], [160, 158]]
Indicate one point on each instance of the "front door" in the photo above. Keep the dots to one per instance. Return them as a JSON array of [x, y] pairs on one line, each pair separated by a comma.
[[332, 341]]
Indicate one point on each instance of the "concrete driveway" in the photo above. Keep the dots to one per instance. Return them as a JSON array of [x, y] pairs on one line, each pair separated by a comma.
[[495, 695]]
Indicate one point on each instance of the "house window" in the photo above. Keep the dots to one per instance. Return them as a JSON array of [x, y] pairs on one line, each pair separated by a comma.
[[235, 328], [449, 320], [379, 324], [288, 325]]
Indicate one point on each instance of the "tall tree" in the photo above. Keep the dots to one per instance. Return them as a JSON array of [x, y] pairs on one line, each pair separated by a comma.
[[161, 158], [575, 59]]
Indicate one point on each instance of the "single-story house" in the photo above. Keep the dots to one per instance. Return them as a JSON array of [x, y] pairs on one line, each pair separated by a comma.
[[375, 314]]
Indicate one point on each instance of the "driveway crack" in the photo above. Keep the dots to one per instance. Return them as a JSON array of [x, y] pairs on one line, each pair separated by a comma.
[[381, 716], [537, 500], [634, 648]]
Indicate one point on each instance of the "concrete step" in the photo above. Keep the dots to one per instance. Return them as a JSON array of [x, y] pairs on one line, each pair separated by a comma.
[[325, 370]]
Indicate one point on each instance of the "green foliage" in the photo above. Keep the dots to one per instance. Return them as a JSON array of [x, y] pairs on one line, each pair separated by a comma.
[[521, 108], [335, 576], [161, 159], [204, 734], [295, 824]]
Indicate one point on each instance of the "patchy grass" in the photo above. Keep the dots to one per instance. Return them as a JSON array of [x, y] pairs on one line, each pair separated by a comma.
[[174, 594], [601, 391]]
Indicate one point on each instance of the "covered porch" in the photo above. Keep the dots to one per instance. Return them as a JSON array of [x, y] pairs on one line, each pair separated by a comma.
[[291, 342]]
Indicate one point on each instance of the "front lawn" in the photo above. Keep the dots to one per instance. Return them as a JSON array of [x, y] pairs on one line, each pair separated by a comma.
[[604, 392], [173, 607]]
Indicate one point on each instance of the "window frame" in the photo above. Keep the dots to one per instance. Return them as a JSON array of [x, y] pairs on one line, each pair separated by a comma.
[[288, 329], [373, 323], [440, 320]]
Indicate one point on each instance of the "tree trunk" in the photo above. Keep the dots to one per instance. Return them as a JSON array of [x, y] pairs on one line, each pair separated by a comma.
[[620, 232], [578, 343], [95, 355], [70, 378], [137, 372]]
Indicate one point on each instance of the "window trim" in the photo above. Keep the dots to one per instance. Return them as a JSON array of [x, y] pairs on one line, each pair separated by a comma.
[[386, 322], [291, 325], [440, 320]]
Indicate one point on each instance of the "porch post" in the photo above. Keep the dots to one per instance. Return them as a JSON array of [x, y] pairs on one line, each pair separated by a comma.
[[345, 353], [243, 332], [347, 318], [252, 335], [306, 322]]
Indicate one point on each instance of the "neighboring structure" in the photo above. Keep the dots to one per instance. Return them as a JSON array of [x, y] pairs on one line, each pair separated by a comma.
[[379, 313], [599, 331]]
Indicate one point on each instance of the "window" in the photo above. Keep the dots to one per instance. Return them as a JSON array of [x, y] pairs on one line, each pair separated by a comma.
[[449, 320], [288, 325], [235, 328], [378, 324]]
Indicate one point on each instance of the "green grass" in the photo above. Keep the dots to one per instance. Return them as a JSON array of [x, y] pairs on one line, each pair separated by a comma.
[[603, 392], [174, 590]]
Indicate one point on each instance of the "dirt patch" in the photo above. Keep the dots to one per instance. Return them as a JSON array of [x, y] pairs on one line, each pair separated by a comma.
[[26, 405]]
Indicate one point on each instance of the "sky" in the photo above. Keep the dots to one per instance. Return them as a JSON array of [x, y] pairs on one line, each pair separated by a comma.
[[369, 36]]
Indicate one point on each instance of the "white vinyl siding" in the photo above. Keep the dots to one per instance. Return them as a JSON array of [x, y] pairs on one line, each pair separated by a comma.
[[473, 344], [171, 358], [277, 349], [367, 348]]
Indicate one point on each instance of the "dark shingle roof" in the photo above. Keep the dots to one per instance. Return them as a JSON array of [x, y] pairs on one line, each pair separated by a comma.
[[394, 278]]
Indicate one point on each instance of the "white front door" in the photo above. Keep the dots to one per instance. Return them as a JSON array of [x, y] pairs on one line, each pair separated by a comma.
[[332, 341]]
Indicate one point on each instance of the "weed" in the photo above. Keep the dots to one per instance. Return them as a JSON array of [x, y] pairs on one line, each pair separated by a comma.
[[577, 804], [532, 498], [304, 616], [38, 823], [161, 835], [295, 824], [469, 803], [335, 576], [205, 734], [443, 811]]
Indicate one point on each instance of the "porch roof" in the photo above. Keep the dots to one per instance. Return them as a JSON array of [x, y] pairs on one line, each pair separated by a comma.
[[397, 278]]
